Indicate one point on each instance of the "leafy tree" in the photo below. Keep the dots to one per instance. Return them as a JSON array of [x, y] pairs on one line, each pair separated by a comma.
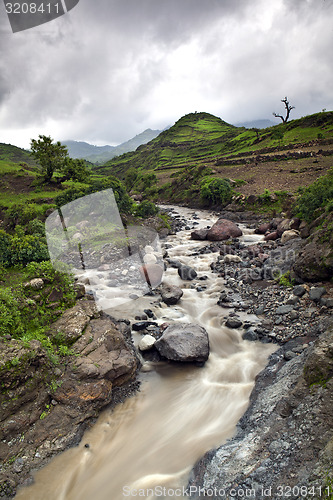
[[75, 169], [288, 109], [51, 156]]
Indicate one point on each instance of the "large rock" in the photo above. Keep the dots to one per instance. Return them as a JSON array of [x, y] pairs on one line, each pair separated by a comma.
[[223, 229], [199, 234], [171, 294], [187, 273], [73, 322], [314, 262], [184, 342], [288, 235]]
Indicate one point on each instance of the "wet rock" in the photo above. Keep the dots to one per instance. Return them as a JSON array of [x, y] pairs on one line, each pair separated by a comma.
[[271, 236], [315, 293], [184, 342], [187, 273], [223, 229], [250, 335], [263, 228], [199, 234], [233, 323], [146, 343], [171, 294], [142, 325]]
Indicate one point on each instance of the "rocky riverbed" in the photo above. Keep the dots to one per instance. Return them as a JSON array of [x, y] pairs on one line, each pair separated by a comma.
[[284, 438]]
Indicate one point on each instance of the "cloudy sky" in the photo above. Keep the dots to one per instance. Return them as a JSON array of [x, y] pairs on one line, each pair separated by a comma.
[[109, 69]]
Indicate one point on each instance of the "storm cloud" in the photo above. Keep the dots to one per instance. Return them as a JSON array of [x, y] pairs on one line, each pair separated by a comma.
[[109, 69]]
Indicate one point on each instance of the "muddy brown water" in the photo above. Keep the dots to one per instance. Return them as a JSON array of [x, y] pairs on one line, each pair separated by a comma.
[[147, 446]]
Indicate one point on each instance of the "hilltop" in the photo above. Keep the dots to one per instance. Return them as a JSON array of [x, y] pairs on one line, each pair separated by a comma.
[[282, 157]]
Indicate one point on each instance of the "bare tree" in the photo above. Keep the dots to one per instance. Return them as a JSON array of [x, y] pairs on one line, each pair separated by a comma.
[[288, 109]]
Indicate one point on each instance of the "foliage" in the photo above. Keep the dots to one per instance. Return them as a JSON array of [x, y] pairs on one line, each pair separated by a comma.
[[75, 169], [51, 156], [216, 191], [4, 247], [285, 280], [23, 213], [26, 248], [145, 209], [10, 317], [316, 197], [123, 200]]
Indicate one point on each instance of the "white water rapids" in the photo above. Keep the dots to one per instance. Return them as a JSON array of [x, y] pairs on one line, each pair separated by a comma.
[[154, 439]]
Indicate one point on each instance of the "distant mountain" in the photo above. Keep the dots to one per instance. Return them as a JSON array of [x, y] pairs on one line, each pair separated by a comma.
[[80, 149], [101, 154], [257, 124]]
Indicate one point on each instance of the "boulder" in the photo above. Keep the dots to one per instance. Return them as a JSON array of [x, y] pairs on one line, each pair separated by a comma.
[[316, 292], [233, 323], [223, 229], [199, 234], [187, 273], [271, 236], [283, 226], [288, 235], [184, 342], [171, 294], [263, 228], [73, 322]]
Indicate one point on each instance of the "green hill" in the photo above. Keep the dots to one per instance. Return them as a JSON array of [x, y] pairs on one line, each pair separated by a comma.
[[199, 138], [15, 154]]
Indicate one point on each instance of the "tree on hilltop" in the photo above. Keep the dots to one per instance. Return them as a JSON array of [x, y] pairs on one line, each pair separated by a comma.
[[51, 156], [288, 109]]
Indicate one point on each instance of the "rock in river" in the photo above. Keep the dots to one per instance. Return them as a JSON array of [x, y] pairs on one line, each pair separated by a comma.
[[184, 342], [171, 294], [223, 229]]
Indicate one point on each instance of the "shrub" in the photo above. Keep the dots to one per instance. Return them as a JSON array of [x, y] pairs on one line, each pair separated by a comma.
[[146, 209], [4, 248], [25, 248], [10, 318], [216, 191], [318, 195]]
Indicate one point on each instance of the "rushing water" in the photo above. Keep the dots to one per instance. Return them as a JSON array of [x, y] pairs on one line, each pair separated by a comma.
[[153, 439]]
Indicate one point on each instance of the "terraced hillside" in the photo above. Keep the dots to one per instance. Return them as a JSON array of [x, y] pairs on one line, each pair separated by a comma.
[[283, 157]]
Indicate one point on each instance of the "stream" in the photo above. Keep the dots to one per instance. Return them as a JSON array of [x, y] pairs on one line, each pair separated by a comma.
[[148, 445]]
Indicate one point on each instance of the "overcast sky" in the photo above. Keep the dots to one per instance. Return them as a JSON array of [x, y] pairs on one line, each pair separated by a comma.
[[109, 69]]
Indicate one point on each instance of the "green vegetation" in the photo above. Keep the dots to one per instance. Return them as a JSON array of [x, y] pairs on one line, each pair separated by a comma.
[[201, 137], [316, 198], [215, 191], [50, 156], [286, 281]]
